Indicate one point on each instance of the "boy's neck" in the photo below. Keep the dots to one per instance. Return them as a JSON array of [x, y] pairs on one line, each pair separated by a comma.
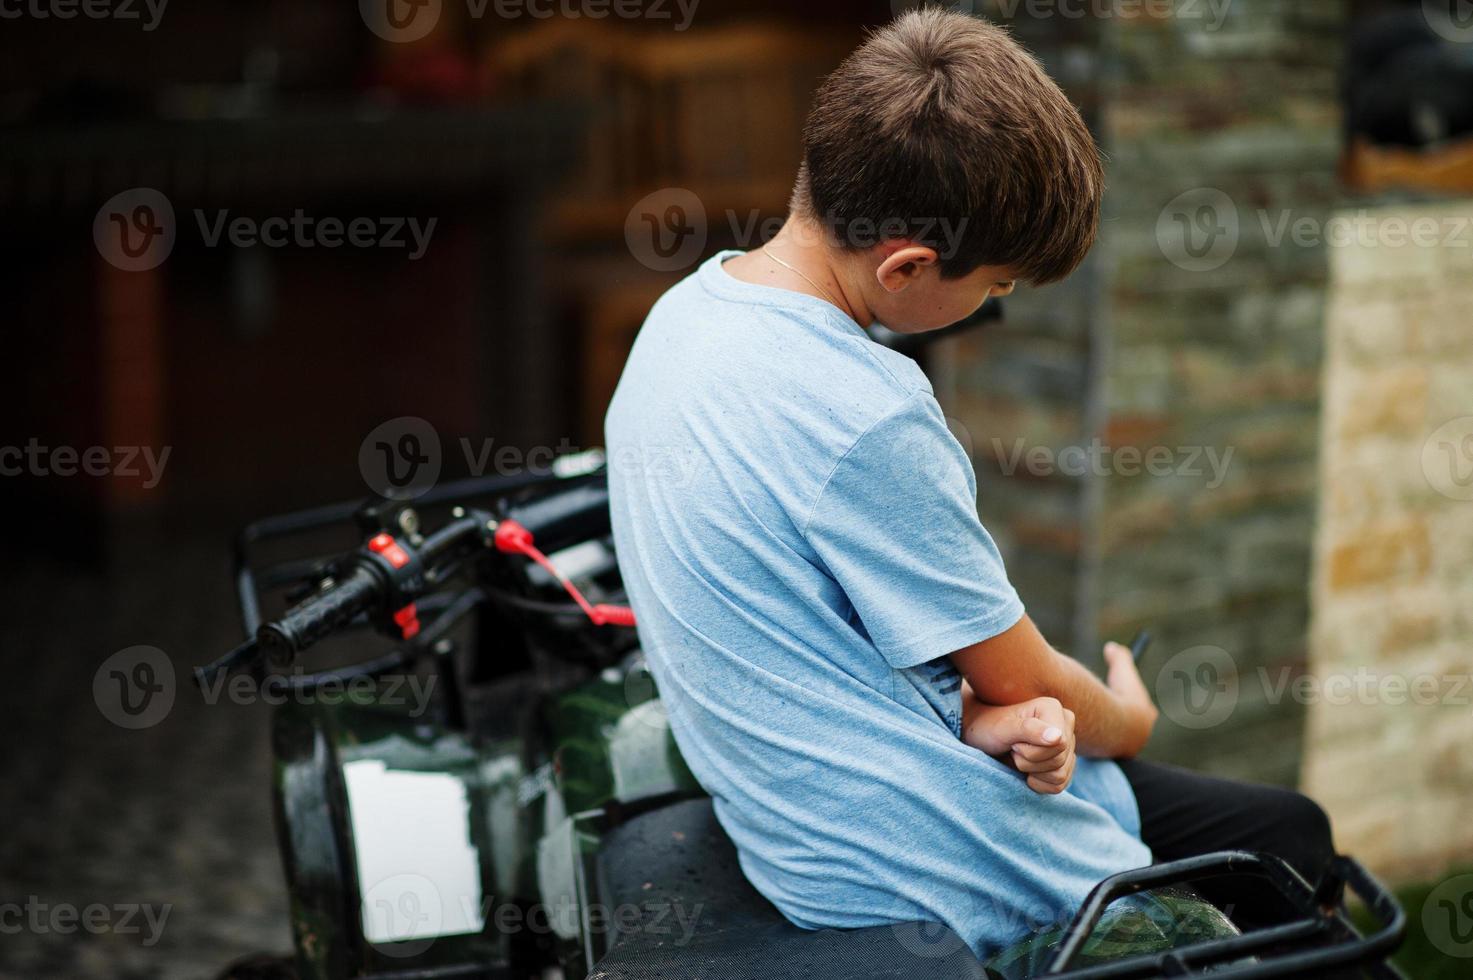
[[801, 259]]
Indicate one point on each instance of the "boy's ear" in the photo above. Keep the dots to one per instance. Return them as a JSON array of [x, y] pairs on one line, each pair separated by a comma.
[[902, 264]]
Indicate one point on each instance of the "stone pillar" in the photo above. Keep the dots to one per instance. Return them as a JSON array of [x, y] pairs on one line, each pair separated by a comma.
[[1389, 689]]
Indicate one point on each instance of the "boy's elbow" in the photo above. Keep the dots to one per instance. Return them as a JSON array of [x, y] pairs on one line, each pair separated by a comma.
[[1015, 666]]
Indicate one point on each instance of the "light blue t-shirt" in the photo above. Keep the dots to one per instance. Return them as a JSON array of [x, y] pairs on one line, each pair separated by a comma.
[[797, 529]]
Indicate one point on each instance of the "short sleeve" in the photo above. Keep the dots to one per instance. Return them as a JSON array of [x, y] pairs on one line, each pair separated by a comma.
[[896, 526]]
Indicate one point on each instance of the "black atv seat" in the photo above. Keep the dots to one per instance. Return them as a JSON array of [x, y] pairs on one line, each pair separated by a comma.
[[715, 926]]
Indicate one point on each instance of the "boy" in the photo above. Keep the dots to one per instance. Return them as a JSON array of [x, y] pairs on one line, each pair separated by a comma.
[[886, 736]]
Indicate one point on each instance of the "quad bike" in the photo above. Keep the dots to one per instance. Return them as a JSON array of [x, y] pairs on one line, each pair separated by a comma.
[[534, 818]]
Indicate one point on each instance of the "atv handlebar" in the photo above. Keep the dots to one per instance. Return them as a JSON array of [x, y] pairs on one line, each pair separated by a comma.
[[385, 577], [388, 574], [320, 615]]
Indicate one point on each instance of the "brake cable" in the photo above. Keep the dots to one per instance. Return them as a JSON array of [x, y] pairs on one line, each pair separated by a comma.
[[512, 538]]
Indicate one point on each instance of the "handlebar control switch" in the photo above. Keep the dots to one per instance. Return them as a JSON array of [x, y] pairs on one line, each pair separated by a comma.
[[406, 618], [392, 551]]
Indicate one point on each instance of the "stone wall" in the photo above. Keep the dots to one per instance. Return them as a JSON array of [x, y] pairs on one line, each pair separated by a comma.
[[1391, 705], [1193, 333], [1222, 136]]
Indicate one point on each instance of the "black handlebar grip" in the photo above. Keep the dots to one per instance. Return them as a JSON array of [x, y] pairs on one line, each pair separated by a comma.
[[309, 622], [567, 516]]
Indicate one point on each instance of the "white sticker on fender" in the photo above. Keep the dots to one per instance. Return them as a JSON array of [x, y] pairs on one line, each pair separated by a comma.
[[417, 868]]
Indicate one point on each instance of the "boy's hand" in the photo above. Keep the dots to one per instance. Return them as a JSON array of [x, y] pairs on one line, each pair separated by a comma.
[[1124, 679], [1035, 737]]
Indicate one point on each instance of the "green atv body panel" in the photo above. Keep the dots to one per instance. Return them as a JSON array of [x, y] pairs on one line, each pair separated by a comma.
[[524, 811], [336, 753], [613, 754]]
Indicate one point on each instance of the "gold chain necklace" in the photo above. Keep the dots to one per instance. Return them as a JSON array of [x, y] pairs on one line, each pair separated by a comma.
[[801, 274]]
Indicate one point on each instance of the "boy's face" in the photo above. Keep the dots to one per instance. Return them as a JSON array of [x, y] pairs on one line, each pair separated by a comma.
[[912, 297]]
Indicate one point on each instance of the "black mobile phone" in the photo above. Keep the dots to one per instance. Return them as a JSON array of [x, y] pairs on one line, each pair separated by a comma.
[[1139, 644]]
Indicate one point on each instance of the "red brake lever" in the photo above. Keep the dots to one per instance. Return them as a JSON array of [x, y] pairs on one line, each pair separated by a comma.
[[515, 539]]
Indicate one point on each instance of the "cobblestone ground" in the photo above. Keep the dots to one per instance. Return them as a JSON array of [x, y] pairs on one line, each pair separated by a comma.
[[164, 832]]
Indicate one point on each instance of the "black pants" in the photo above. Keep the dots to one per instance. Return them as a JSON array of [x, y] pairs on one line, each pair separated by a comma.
[[1184, 813]]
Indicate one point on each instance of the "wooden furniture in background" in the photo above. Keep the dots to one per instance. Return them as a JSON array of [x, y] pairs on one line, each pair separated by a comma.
[[717, 112], [1447, 170]]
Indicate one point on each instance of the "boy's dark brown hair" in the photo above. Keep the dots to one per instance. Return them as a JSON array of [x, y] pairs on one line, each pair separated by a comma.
[[943, 118]]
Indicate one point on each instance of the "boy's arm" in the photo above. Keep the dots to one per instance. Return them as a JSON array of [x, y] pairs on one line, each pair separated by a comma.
[[1112, 719]]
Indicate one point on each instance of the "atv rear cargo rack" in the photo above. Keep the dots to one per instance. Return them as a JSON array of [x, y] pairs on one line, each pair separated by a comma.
[[1320, 941]]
